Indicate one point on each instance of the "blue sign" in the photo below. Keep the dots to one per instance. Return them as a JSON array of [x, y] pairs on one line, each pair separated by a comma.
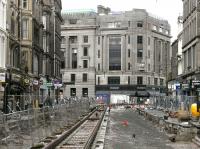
[[103, 98]]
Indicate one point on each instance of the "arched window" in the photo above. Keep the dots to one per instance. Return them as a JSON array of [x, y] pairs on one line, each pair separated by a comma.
[[13, 23], [16, 57], [35, 64]]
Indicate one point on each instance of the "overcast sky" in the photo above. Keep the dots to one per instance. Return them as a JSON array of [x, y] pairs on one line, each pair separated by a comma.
[[166, 9]]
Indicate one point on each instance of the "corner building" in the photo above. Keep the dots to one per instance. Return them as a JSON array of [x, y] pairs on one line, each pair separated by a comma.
[[129, 50]]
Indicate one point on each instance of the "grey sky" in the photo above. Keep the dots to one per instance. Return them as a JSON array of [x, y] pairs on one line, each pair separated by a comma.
[[166, 9]]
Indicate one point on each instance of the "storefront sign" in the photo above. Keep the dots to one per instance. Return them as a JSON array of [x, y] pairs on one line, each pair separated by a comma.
[[196, 83], [2, 77], [185, 86], [49, 84], [58, 85], [114, 88], [141, 87]]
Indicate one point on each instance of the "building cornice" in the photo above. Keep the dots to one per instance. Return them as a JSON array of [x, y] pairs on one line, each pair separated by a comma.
[[78, 27], [168, 36], [189, 42]]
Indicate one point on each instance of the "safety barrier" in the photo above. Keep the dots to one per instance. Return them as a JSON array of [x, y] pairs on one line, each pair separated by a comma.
[[22, 129]]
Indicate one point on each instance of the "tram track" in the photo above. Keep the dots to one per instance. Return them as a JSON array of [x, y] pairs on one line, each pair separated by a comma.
[[81, 135]]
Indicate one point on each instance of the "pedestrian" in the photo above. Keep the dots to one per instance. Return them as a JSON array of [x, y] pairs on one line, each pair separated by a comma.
[[133, 137], [109, 108], [48, 101]]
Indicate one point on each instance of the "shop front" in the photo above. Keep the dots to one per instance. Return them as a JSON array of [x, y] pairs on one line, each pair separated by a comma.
[[2, 85]]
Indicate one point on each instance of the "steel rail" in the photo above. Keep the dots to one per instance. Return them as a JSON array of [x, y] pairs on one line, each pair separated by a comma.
[[63, 136]]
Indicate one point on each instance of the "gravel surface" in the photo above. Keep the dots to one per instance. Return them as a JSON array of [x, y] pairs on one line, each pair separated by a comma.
[[127, 130]]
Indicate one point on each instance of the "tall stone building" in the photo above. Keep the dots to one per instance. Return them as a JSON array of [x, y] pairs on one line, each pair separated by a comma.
[[191, 45], [79, 42], [52, 56], [3, 45], [127, 53], [30, 56]]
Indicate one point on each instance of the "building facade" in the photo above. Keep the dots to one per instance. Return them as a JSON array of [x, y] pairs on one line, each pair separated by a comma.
[[129, 52], [79, 42], [191, 45], [52, 57], [3, 44], [31, 58]]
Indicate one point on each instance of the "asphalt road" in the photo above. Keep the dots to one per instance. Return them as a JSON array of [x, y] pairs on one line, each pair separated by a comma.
[[127, 130]]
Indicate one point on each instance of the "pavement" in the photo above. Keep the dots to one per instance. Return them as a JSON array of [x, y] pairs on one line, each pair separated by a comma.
[[126, 129]]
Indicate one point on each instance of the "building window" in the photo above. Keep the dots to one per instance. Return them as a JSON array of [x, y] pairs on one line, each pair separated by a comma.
[[161, 82], [139, 80], [98, 67], [129, 66], [155, 81], [129, 23], [139, 53], [98, 53], [16, 57], [189, 58], [74, 58], [85, 51], [149, 80], [73, 39], [85, 77], [129, 39], [98, 40], [13, 24], [73, 77], [85, 64], [85, 39], [114, 24], [35, 64], [129, 53], [149, 67], [140, 24], [113, 80], [129, 80], [85, 92], [25, 4], [139, 39], [98, 80], [149, 40], [72, 91], [115, 53], [25, 29], [44, 22]]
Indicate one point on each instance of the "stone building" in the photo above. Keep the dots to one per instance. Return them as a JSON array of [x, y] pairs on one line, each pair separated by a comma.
[[52, 56], [128, 53], [191, 45], [27, 54], [3, 45], [79, 33]]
